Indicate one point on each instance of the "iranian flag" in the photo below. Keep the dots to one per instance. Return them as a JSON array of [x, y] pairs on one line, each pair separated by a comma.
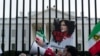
[[40, 34], [94, 40]]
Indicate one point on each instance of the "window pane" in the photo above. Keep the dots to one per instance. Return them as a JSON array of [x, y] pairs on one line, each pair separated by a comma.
[[79, 33], [24, 33], [13, 46], [13, 33], [79, 47], [2, 45], [24, 47]]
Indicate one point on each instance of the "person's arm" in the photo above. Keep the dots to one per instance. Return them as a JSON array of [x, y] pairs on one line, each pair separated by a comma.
[[51, 41], [54, 44], [41, 43], [45, 45]]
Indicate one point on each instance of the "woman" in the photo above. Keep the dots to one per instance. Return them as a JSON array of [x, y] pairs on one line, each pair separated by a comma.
[[62, 35]]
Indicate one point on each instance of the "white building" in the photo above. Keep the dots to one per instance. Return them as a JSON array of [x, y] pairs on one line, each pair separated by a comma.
[[13, 33], [46, 26]]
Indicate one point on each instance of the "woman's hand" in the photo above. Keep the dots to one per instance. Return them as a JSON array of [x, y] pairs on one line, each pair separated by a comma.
[[39, 42]]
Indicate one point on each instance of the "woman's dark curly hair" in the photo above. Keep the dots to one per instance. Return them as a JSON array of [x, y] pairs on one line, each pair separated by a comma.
[[70, 25], [72, 50]]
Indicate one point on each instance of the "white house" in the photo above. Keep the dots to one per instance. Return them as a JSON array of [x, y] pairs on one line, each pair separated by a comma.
[[46, 26]]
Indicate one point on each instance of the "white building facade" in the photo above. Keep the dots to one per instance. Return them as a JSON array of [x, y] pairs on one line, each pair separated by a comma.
[[46, 26], [13, 34]]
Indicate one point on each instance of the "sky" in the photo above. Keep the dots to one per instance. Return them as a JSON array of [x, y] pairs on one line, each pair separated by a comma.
[[92, 14]]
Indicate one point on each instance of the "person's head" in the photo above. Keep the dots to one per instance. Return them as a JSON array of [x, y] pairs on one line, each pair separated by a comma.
[[97, 54], [67, 26], [70, 51], [22, 54]]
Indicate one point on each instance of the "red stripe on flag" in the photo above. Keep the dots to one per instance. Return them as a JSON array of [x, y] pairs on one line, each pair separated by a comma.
[[95, 48]]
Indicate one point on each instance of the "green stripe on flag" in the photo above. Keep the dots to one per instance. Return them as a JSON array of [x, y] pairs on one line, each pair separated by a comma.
[[41, 34], [95, 30]]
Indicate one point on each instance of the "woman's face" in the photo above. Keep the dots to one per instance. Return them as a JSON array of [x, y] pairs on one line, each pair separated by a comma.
[[63, 27]]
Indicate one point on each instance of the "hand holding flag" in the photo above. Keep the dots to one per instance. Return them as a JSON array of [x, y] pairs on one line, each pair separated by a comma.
[[40, 37]]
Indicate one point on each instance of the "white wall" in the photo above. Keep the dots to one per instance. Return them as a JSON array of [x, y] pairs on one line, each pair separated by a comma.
[[13, 27]]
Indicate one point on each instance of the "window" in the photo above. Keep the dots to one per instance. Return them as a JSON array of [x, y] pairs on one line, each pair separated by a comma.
[[2, 45], [24, 33], [24, 47], [13, 33], [79, 33], [13, 46], [79, 46], [1, 33]]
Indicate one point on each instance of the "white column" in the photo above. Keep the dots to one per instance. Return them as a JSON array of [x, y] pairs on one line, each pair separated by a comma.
[[45, 29]]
